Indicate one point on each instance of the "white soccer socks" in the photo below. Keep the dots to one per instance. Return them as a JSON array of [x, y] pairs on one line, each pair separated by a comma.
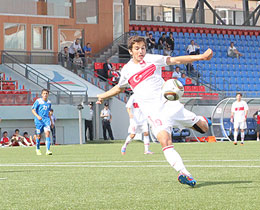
[[242, 137], [127, 141], [174, 159], [235, 136], [146, 143]]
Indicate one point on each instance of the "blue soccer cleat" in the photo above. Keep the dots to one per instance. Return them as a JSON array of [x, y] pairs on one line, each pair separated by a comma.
[[207, 120], [123, 150], [184, 179]]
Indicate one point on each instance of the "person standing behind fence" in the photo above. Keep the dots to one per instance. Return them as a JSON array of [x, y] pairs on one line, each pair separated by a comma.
[[106, 120], [53, 128], [256, 116], [89, 123]]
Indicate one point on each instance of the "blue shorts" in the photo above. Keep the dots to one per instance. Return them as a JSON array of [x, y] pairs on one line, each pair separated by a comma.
[[42, 126]]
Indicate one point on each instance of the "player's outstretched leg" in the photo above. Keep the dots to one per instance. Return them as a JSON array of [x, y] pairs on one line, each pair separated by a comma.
[[174, 159], [202, 125], [127, 141], [147, 144]]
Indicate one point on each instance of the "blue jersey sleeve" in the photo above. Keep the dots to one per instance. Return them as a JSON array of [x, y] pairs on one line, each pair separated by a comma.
[[35, 105]]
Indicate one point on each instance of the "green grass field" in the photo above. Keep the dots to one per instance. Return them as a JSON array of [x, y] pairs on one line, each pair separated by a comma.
[[97, 176]]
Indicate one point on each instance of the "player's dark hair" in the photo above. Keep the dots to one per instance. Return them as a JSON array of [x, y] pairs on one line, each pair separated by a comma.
[[4, 132], [51, 110], [170, 33], [135, 39], [239, 94], [45, 90], [25, 133], [17, 130]]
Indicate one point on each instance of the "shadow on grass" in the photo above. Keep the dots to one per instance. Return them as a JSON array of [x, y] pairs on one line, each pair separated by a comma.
[[102, 142], [21, 171], [205, 184]]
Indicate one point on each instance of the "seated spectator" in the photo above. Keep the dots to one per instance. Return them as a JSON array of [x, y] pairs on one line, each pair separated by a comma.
[[74, 48], [183, 79], [177, 73], [29, 139], [162, 42], [193, 49], [65, 54], [150, 44], [170, 42], [87, 50], [18, 140], [103, 73], [233, 52], [5, 139], [115, 74], [167, 51], [77, 63], [146, 35], [191, 71]]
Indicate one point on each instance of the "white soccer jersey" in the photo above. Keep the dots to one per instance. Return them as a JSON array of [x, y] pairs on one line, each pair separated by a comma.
[[138, 116], [146, 82], [239, 109]]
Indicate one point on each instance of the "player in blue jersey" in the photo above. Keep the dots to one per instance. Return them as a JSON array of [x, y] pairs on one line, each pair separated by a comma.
[[41, 110]]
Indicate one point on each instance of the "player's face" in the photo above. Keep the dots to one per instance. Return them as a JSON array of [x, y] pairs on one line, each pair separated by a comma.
[[238, 97], [138, 51], [45, 95]]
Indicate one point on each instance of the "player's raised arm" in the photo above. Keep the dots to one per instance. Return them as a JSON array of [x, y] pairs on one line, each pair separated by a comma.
[[110, 93], [207, 55]]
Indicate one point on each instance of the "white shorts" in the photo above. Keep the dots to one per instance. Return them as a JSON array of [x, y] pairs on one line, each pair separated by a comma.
[[168, 115], [241, 125], [135, 128]]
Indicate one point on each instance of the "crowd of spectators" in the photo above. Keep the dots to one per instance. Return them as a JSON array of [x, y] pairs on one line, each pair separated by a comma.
[[17, 139]]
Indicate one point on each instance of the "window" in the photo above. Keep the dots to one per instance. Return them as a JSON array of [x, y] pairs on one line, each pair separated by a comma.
[[87, 11], [14, 36], [42, 37], [68, 36]]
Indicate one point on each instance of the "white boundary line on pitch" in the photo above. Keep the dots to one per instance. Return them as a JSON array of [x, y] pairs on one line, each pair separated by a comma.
[[127, 166], [134, 161]]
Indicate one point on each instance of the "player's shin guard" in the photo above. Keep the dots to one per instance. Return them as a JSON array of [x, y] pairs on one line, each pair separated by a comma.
[[48, 143], [146, 143], [37, 143], [235, 136], [174, 159], [242, 137]]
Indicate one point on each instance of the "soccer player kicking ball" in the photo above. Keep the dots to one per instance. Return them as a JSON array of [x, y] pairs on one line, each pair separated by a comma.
[[41, 110], [143, 74], [138, 124], [239, 112]]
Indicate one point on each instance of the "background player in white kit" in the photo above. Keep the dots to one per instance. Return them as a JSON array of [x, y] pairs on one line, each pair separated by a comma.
[[138, 124], [239, 111], [143, 74]]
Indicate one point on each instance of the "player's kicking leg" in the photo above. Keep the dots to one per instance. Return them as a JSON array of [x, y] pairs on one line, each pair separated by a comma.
[[174, 159], [129, 138]]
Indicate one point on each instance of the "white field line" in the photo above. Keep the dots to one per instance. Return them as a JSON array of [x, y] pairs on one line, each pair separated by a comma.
[[133, 161], [127, 166]]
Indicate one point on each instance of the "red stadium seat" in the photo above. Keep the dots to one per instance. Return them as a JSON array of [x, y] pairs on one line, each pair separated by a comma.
[[131, 28], [98, 66], [163, 68], [188, 81], [195, 88], [202, 89], [148, 28], [187, 88], [142, 28]]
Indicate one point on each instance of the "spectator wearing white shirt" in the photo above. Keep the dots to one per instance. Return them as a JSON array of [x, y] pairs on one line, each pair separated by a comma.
[[193, 49], [106, 120], [233, 52], [74, 48], [177, 73]]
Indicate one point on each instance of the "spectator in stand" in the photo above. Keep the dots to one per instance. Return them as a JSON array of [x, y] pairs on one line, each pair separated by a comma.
[[87, 50], [193, 49], [53, 129], [65, 54], [162, 42], [5, 139], [89, 123], [106, 120], [170, 42], [183, 79], [78, 63], [150, 44], [103, 73], [177, 73], [74, 48], [256, 116], [147, 34], [233, 52], [167, 51], [28, 139], [114, 74]]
